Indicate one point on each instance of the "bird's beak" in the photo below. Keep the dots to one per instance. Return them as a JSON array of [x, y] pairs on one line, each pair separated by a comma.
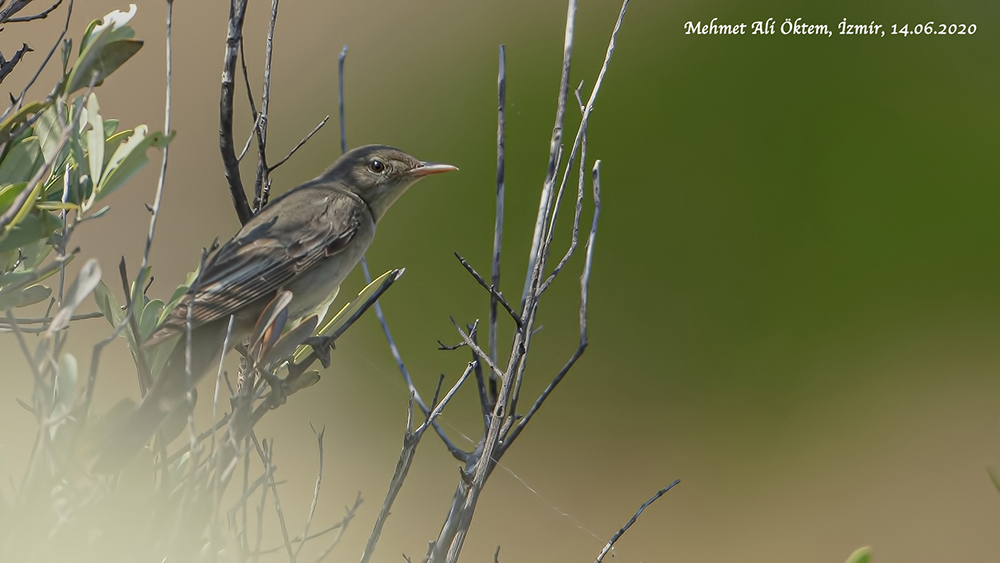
[[428, 168]]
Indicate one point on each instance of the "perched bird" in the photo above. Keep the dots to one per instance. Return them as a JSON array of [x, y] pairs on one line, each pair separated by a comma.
[[305, 241]]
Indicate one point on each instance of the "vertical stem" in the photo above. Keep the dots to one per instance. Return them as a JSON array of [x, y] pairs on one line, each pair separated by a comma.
[[340, 98], [555, 144], [262, 185], [237, 11], [498, 225]]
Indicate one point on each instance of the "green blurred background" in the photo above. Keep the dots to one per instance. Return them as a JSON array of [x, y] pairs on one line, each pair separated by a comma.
[[795, 298]]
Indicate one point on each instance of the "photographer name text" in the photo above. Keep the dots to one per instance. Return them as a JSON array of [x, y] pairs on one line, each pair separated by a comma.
[[798, 26]]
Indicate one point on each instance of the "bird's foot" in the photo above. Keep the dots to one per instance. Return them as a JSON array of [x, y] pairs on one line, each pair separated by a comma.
[[321, 346]]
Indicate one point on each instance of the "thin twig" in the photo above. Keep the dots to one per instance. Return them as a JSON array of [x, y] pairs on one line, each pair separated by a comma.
[[341, 529], [14, 7], [540, 251], [411, 439], [158, 198], [479, 351], [315, 497], [578, 211], [250, 101], [320, 533], [340, 98], [277, 507], [299, 145], [39, 380], [554, 148], [217, 454], [145, 377], [621, 532], [39, 16], [496, 296], [262, 184], [455, 451], [584, 299]]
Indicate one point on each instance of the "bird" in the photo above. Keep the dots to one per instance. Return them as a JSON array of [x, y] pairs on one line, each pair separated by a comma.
[[305, 241]]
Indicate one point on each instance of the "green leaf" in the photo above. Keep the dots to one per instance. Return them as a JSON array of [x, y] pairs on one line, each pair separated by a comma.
[[82, 287], [862, 555], [102, 56], [307, 379], [128, 158], [349, 313], [110, 126], [21, 162], [33, 228], [65, 386], [108, 304], [33, 255], [19, 118], [95, 140], [27, 296], [9, 193], [67, 49], [114, 25], [49, 131], [994, 477], [149, 318]]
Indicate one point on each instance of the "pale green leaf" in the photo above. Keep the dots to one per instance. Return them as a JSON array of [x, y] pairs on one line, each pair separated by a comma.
[[95, 140], [128, 158], [863, 555], [27, 296], [82, 287], [21, 162]]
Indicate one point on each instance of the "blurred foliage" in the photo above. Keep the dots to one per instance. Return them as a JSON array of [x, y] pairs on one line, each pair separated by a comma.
[[59, 156], [863, 555], [60, 159]]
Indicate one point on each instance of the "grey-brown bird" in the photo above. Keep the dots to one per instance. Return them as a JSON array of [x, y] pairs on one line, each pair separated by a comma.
[[305, 241]]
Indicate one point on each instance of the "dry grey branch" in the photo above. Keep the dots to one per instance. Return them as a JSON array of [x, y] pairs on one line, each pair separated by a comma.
[[39, 16], [498, 221], [262, 184], [45, 61]]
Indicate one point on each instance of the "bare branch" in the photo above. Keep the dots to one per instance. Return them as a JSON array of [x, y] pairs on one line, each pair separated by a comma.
[[340, 530], [237, 11], [340, 98], [315, 497], [262, 184], [39, 16], [584, 297], [479, 351], [621, 532], [45, 61], [498, 221], [555, 142], [14, 7], [411, 439], [7, 66], [455, 451], [496, 297]]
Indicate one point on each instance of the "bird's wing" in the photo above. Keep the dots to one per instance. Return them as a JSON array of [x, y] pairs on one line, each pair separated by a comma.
[[290, 236]]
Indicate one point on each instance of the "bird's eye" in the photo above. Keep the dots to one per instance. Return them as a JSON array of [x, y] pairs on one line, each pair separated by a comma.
[[376, 166]]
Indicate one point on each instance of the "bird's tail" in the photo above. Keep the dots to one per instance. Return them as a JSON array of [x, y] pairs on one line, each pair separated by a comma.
[[131, 437], [166, 396]]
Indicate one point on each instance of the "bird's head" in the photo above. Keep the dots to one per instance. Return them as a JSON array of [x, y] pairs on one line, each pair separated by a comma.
[[380, 174]]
